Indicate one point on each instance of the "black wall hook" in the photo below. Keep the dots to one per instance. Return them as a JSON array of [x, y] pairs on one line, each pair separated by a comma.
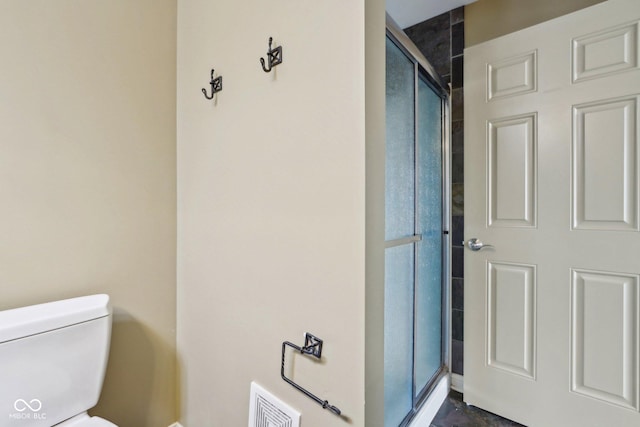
[[312, 347], [274, 57], [216, 86]]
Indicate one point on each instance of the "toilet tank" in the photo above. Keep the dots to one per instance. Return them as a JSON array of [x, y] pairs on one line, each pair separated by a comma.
[[53, 359]]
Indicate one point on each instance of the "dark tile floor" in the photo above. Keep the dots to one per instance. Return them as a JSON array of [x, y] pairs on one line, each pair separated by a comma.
[[455, 413]]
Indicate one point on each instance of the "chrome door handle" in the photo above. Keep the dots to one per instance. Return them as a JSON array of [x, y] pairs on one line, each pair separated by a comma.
[[476, 244]]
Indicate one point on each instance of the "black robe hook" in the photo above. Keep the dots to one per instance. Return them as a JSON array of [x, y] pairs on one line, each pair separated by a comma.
[[216, 86], [274, 57]]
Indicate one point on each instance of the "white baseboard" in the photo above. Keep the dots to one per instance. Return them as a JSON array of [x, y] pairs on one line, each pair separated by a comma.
[[430, 408], [457, 383], [176, 424]]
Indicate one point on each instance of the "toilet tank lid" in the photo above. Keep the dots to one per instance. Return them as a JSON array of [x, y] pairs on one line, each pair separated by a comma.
[[35, 319]]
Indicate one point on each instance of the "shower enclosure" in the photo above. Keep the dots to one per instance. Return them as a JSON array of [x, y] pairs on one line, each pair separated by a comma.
[[417, 241]]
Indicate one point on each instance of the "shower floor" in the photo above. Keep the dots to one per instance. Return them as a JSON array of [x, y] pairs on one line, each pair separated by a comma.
[[455, 413]]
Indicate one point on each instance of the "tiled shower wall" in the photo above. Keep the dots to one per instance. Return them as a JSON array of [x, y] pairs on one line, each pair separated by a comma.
[[441, 41]]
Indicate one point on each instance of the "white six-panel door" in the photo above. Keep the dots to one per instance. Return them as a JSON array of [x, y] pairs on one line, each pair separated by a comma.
[[552, 300]]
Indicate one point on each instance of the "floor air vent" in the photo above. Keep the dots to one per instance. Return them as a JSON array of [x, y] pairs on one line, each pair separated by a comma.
[[266, 410]]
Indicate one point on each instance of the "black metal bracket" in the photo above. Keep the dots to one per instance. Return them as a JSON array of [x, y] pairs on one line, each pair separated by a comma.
[[216, 85], [274, 57], [312, 347]]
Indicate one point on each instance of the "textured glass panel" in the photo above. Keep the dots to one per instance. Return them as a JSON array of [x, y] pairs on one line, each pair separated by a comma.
[[428, 345], [399, 169], [398, 340]]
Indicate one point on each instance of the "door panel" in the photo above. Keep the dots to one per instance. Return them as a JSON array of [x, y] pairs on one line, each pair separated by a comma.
[[605, 52], [512, 171], [512, 76], [604, 140], [608, 376], [552, 331], [511, 307]]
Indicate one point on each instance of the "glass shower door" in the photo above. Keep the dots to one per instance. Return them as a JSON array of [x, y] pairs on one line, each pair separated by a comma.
[[414, 235], [399, 236], [429, 250]]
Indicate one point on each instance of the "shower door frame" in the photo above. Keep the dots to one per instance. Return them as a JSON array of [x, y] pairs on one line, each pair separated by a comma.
[[424, 70]]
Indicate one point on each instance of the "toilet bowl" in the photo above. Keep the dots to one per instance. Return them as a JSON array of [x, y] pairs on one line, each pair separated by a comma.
[[53, 359]]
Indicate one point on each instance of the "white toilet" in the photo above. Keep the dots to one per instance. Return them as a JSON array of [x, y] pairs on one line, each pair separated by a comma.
[[53, 358]]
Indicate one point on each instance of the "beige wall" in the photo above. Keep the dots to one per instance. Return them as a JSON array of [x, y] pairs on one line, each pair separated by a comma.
[[375, 79], [271, 206], [87, 179], [488, 19]]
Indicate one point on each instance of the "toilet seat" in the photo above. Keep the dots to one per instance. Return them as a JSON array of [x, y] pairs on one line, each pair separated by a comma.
[[84, 420], [95, 422]]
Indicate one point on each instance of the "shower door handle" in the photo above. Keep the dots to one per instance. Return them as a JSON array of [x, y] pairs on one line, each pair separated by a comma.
[[476, 244]]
